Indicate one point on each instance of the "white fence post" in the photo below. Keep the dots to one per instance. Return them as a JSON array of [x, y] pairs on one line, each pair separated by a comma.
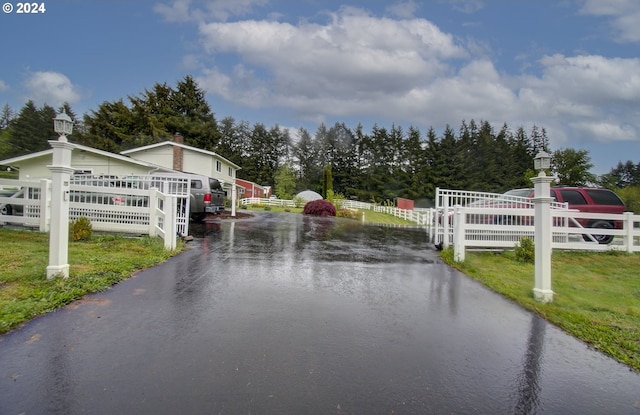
[[543, 237], [445, 222], [170, 230], [628, 228], [45, 205], [153, 211], [459, 222]]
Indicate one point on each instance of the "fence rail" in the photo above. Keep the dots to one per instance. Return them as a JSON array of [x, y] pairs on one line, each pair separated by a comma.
[[471, 229], [131, 204]]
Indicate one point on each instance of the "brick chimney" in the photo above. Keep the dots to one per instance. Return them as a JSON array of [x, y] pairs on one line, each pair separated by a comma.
[[177, 152]]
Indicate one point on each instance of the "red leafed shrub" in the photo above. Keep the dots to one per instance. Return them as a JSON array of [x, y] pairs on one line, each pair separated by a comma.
[[319, 207]]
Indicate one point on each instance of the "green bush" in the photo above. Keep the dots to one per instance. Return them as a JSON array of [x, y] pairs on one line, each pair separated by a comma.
[[80, 229], [525, 250]]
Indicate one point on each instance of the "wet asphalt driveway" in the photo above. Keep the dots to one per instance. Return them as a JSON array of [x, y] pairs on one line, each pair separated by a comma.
[[285, 314]]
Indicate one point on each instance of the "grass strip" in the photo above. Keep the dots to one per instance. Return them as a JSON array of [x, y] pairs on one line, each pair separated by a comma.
[[95, 265], [596, 295]]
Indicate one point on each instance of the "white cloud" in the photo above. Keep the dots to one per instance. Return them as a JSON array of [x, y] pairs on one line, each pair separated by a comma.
[[3, 86], [218, 10], [403, 10], [355, 61], [52, 88], [357, 65], [624, 14]]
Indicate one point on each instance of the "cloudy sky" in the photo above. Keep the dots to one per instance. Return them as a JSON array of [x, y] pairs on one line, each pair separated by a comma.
[[570, 66]]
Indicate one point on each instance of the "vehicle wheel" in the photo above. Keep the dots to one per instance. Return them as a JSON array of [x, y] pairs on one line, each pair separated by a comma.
[[602, 239], [6, 210]]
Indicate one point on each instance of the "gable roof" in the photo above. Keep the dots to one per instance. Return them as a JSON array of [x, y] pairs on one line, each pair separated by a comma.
[[49, 152], [184, 146]]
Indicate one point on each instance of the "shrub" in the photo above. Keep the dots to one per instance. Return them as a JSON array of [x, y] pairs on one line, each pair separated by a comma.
[[319, 208], [525, 250], [80, 229], [347, 213]]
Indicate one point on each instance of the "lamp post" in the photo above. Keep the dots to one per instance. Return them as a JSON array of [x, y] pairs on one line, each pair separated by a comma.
[[60, 173], [543, 237]]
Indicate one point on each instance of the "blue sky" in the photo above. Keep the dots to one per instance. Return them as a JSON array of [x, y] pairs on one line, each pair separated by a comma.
[[570, 66]]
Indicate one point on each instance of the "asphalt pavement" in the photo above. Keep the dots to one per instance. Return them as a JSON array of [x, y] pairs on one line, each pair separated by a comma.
[[287, 314]]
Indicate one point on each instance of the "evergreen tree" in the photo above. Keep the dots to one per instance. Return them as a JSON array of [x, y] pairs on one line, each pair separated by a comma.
[[6, 116], [154, 116], [31, 130], [110, 128], [415, 167], [234, 140], [306, 155]]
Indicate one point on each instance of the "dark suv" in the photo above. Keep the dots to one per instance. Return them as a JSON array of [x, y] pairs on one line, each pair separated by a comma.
[[586, 199]]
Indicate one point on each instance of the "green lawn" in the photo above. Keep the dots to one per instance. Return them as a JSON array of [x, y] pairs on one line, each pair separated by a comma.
[[95, 265], [596, 295]]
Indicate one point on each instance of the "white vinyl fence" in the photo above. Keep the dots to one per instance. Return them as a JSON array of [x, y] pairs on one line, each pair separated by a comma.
[[441, 232], [476, 220], [567, 231], [420, 217], [149, 205]]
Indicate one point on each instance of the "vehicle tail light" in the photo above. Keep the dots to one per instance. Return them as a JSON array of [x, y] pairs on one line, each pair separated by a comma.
[[207, 198]]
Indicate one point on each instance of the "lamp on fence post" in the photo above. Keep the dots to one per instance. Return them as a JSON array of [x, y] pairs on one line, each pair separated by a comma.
[[542, 201], [60, 173]]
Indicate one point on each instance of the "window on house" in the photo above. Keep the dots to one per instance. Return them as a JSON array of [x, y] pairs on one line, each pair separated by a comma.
[[230, 172], [218, 166]]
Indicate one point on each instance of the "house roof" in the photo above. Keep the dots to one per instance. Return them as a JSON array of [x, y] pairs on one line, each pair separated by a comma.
[[184, 146], [49, 152]]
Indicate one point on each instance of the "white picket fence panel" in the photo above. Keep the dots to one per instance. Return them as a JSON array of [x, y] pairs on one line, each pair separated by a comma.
[[146, 205], [441, 231], [475, 228], [420, 217]]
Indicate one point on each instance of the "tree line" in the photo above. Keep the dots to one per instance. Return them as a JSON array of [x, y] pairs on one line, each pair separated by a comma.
[[376, 165]]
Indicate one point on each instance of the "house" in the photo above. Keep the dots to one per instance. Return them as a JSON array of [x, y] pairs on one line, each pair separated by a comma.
[[167, 156], [84, 160], [177, 156], [250, 189]]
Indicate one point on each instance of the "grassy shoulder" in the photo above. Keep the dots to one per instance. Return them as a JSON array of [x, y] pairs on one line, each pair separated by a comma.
[[95, 265], [596, 295]]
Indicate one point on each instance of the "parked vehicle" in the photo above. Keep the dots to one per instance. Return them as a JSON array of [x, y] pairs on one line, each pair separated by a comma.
[[207, 196], [8, 208], [585, 199]]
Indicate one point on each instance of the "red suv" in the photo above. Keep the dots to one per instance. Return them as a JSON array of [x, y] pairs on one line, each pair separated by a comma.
[[586, 199]]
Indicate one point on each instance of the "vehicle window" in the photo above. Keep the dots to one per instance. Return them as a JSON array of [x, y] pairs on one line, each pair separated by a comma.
[[604, 197], [214, 184], [196, 184], [574, 197], [519, 192], [553, 195]]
